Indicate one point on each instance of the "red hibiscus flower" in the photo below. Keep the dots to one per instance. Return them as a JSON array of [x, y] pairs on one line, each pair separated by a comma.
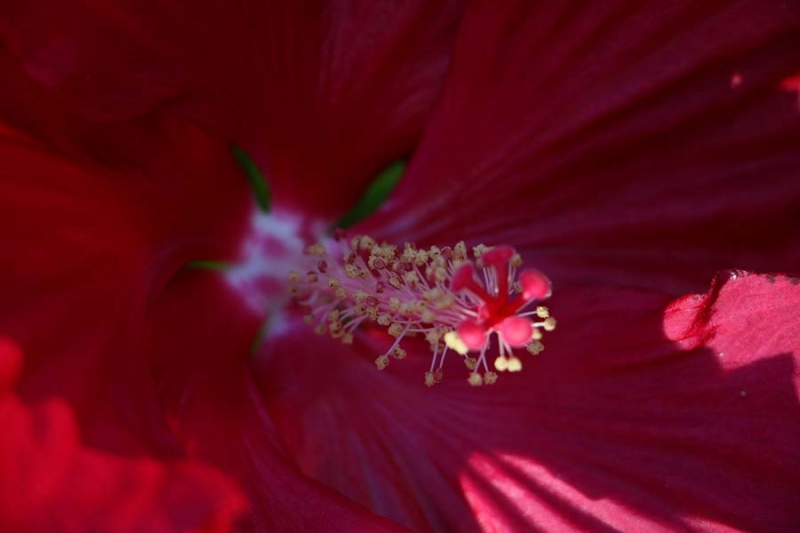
[[634, 153]]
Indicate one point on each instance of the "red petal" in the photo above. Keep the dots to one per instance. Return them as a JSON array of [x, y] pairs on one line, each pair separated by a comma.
[[202, 339], [10, 364], [743, 317], [50, 482], [85, 245], [607, 138], [612, 427], [323, 95], [156, 182]]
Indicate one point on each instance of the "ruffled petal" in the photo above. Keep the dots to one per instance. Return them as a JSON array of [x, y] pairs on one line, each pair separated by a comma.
[[322, 95], [51, 482], [616, 426], [174, 184], [202, 340], [87, 245], [633, 143]]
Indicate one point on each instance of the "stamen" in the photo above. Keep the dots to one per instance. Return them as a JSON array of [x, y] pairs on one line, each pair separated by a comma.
[[455, 303]]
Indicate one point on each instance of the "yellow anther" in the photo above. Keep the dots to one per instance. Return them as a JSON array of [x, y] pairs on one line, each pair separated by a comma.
[[454, 342], [446, 301], [409, 253], [408, 308], [432, 294], [312, 277], [320, 329], [315, 249], [347, 338], [514, 364], [382, 362], [395, 330], [429, 379], [516, 260], [340, 293], [479, 250], [433, 336], [359, 296], [367, 243], [460, 251], [294, 276], [490, 378], [427, 316], [394, 303], [475, 379], [351, 271], [542, 312], [470, 363], [550, 324], [535, 347], [389, 251], [384, 319], [411, 278], [333, 283], [501, 364], [399, 353], [537, 335]]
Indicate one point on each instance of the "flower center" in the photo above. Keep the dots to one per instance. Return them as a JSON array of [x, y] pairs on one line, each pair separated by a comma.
[[455, 303], [273, 247]]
